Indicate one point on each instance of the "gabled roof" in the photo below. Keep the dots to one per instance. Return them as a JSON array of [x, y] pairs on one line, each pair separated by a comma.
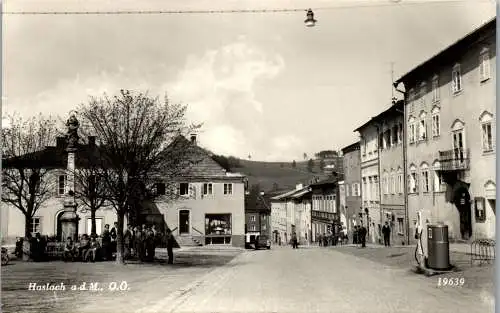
[[448, 54], [329, 181], [394, 110], [299, 194], [257, 203], [352, 147]]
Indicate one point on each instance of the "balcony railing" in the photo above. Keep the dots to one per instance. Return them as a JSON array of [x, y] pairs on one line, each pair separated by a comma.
[[454, 160]]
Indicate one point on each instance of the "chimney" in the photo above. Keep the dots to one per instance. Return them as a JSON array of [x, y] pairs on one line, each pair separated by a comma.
[[298, 186], [193, 139], [91, 141], [60, 142]]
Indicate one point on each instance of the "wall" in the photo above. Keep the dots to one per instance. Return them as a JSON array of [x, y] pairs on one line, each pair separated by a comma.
[[467, 107], [352, 175], [218, 203]]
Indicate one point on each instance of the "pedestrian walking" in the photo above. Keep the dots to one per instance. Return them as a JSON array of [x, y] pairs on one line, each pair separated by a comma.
[[150, 245], [386, 231], [170, 246], [320, 240], [325, 240]]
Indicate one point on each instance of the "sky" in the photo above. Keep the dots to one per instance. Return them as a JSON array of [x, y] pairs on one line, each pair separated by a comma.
[[262, 84]]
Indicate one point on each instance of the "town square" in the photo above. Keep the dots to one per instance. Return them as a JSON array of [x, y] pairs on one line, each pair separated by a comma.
[[248, 156]]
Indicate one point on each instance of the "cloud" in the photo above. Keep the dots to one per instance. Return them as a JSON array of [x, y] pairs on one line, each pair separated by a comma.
[[219, 88]]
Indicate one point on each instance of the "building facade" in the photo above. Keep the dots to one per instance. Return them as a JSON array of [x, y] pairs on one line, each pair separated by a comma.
[[324, 196], [208, 209], [257, 217], [352, 183], [370, 186], [451, 121]]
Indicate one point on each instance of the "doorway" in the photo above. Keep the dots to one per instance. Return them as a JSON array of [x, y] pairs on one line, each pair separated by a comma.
[[463, 204], [184, 222]]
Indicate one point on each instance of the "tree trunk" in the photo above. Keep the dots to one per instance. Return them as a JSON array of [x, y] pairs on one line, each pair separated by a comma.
[[92, 219], [27, 223], [119, 237]]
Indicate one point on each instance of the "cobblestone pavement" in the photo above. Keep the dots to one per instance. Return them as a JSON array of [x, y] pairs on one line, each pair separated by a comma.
[[146, 283], [319, 280]]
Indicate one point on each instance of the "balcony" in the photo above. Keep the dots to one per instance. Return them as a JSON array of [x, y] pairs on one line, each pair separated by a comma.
[[454, 160]]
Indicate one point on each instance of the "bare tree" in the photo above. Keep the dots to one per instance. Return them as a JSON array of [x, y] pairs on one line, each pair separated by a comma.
[[140, 141], [26, 183]]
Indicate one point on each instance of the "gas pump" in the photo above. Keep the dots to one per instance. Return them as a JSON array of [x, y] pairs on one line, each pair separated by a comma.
[[421, 252]]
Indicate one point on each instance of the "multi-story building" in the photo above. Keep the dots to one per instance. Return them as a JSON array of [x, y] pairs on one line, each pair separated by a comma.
[[352, 183], [370, 176], [392, 193], [294, 209], [209, 207], [257, 216], [342, 204], [324, 206], [450, 117]]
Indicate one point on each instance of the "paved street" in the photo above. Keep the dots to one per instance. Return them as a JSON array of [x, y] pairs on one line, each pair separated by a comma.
[[318, 280]]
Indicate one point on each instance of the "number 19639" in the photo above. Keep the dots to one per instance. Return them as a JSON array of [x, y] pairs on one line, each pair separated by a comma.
[[452, 282]]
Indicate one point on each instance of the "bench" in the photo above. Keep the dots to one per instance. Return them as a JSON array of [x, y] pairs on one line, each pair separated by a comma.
[[482, 250]]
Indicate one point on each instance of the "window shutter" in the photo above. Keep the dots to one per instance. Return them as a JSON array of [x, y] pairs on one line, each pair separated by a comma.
[[482, 67], [486, 68]]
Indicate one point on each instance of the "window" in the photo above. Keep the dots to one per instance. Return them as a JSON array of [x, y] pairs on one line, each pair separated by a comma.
[[184, 189], [394, 135], [435, 89], [386, 183], [228, 189], [437, 179], [458, 145], [425, 177], [393, 183], [60, 185], [484, 65], [376, 187], [252, 218], [411, 130], [436, 125], [413, 180], [98, 225], [456, 79], [356, 191], [422, 127], [160, 189], [35, 225], [207, 189], [400, 182], [217, 229], [401, 226], [423, 91], [486, 120]]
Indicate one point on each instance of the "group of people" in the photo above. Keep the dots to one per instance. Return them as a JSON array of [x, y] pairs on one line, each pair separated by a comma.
[[38, 244], [359, 235], [139, 242]]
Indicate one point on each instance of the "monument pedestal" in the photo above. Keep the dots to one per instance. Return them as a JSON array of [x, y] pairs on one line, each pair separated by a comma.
[[69, 223]]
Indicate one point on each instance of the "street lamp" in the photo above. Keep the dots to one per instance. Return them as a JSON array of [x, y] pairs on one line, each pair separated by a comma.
[[310, 21]]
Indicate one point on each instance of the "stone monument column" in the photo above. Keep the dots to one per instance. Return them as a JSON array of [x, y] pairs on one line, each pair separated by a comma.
[[69, 219]]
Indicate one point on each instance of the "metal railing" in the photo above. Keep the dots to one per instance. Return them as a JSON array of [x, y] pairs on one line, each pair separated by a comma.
[[199, 232], [482, 250], [454, 159]]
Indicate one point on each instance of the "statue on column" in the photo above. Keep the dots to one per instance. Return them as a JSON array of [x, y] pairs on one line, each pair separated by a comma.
[[73, 126]]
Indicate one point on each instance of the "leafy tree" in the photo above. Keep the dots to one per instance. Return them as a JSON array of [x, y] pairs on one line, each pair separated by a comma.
[[294, 164], [310, 165], [322, 164], [141, 143], [326, 154], [305, 156], [26, 182]]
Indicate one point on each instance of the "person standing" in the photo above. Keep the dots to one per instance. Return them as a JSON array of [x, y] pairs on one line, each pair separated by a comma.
[[320, 240], [106, 243], [127, 241], [138, 244], [170, 246], [362, 235], [294, 241], [150, 244], [386, 231], [114, 235]]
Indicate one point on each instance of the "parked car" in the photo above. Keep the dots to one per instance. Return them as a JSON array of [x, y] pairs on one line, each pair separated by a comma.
[[262, 242]]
